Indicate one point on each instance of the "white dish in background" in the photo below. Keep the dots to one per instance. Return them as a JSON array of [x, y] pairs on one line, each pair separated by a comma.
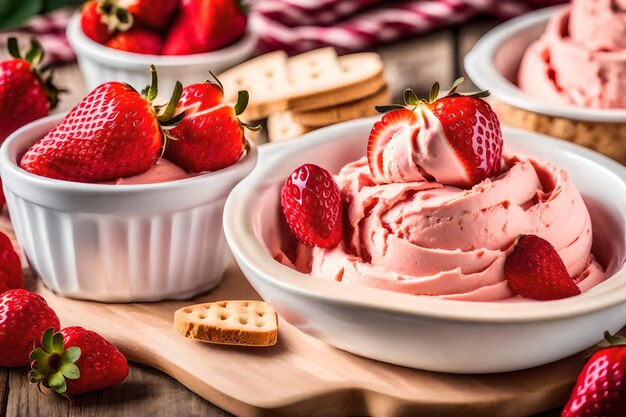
[[494, 61], [100, 64], [119, 243], [424, 332]]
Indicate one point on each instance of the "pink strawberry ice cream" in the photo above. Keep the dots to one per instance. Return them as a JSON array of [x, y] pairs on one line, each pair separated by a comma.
[[162, 171], [416, 236], [581, 57]]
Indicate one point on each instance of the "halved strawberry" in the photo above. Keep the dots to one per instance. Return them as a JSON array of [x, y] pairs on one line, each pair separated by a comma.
[[381, 134], [312, 206], [471, 128], [535, 270]]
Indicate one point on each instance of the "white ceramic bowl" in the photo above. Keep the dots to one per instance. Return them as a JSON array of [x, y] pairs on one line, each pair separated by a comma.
[[118, 243], [423, 332], [493, 64], [100, 64]]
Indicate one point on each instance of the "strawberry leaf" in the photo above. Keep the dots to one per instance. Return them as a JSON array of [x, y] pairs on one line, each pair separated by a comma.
[[70, 371], [388, 108], [35, 55], [152, 91], [614, 340], [13, 48], [410, 97], [456, 85], [242, 102], [71, 355], [434, 92]]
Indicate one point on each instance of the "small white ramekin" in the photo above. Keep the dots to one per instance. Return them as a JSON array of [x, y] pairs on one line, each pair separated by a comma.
[[119, 243], [493, 65], [100, 64], [425, 332]]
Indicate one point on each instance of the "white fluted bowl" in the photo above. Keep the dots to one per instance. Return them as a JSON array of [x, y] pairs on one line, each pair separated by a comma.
[[118, 243], [100, 64]]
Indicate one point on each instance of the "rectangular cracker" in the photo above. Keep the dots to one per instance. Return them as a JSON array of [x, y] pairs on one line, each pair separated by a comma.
[[229, 322]]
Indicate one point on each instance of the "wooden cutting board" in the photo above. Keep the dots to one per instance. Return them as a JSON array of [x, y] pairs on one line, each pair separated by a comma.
[[302, 376]]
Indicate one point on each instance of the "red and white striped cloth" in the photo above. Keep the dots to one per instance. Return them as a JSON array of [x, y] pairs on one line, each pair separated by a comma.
[[352, 25], [301, 25], [49, 31]]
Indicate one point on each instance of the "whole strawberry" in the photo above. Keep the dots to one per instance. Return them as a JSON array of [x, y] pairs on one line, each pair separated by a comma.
[[312, 206], [26, 94], [470, 127], [24, 316], [139, 41], [99, 19], [600, 390], [10, 266], [146, 14], [205, 26], [535, 270], [210, 137], [76, 360], [112, 133]]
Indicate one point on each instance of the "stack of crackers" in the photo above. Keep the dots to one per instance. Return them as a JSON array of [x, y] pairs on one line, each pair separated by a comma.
[[302, 93]]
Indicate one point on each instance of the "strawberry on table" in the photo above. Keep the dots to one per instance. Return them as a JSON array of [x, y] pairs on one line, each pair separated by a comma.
[[146, 14], [535, 270], [26, 93], [470, 127], [75, 361], [600, 390], [205, 26], [139, 41], [211, 136], [312, 206], [112, 133], [99, 19], [24, 316], [10, 266]]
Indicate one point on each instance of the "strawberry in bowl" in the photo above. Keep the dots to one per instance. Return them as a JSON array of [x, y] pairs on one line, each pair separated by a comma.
[[118, 39], [136, 225]]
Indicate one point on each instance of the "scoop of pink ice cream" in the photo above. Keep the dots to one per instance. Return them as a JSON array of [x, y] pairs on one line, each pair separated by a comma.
[[581, 57], [162, 171], [425, 238]]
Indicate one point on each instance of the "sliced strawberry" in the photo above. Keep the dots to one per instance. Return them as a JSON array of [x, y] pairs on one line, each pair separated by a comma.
[[535, 270], [312, 206], [471, 130], [381, 134]]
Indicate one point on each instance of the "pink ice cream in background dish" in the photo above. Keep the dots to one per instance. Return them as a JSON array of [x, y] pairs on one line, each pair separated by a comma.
[[417, 236], [581, 58]]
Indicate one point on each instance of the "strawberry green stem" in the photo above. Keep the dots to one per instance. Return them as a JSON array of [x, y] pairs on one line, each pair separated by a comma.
[[411, 99], [52, 364], [614, 340], [34, 56]]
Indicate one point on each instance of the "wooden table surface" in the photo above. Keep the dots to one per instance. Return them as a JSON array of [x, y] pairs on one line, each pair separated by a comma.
[[412, 63]]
